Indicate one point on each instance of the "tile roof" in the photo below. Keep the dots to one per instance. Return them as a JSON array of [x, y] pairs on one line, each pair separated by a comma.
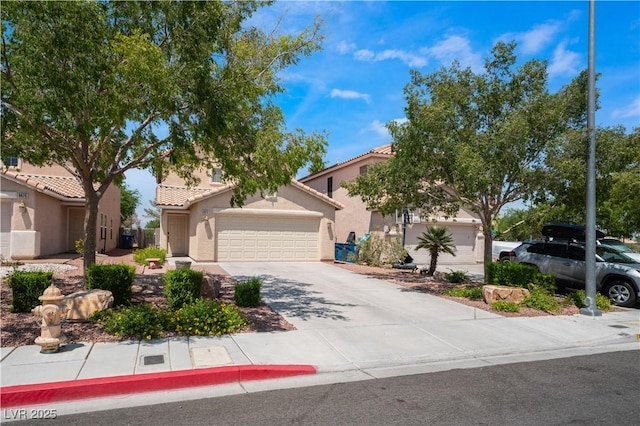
[[384, 150], [181, 196], [61, 186]]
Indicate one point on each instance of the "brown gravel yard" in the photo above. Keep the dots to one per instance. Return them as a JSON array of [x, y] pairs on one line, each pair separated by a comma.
[[22, 328]]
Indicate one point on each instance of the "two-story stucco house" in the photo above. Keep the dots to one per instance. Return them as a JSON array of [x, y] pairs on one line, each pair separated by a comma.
[[357, 218], [296, 223], [42, 212]]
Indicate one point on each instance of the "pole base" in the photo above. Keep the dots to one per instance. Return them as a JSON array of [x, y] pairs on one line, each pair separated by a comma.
[[591, 312]]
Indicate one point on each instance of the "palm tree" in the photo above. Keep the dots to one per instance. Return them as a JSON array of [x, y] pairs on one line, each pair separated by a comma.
[[436, 240]]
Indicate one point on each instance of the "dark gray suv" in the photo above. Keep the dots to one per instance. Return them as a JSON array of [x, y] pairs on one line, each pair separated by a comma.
[[617, 275]]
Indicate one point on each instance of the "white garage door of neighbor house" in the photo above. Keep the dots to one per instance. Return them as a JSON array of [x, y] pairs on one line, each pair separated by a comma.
[[463, 238], [6, 210], [260, 238]]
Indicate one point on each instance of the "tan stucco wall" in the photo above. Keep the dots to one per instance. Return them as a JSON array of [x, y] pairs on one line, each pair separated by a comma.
[[201, 231], [110, 205], [355, 216], [44, 220], [203, 174]]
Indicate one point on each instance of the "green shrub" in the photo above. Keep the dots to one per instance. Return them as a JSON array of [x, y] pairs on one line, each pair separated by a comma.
[[141, 321], [182, 287], [542, 300], [248, 293], [378, 251], [207, 318], [140, 256], [118, 279], [578, 298], [505, 306], [80, 246], [26, 287], [456, 276], [510, 274], [467, 292]]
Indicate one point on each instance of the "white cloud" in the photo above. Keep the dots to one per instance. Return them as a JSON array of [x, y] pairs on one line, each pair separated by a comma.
[[564, 61], [408, 58], [379, 128], [536, 39], [456, 48], [349, 94], [364, 55], [629, 111], [345, 47]]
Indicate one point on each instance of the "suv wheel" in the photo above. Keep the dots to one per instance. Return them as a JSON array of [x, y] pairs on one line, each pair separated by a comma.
[[621, 293]]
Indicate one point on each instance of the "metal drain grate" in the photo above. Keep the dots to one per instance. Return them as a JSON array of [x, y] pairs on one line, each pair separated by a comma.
[[153, 359]]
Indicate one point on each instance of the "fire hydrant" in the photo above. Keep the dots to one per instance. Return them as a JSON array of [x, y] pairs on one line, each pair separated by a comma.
[[51, 311]]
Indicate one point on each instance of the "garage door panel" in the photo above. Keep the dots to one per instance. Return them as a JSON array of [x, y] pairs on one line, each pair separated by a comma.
[[267, 238]]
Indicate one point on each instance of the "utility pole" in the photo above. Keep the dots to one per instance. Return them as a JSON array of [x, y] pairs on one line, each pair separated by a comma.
[[590, 232]]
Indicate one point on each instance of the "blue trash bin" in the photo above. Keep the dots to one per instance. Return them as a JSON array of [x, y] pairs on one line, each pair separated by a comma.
[[126, 241]]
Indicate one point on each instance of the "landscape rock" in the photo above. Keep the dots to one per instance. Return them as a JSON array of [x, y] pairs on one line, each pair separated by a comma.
[[82, 304], [493, 293], [210, 287]]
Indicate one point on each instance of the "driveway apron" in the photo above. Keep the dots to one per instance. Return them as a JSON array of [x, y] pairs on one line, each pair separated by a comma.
[[345, 319], [316, 295]]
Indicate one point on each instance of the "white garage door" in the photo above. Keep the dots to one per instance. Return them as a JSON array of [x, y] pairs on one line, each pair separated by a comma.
[[463, 238], [260, 238], [6, 209]]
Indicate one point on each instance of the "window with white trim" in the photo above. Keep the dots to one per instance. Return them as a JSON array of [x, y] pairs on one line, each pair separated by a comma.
[[103, 226], [11, 162], [216, 175]]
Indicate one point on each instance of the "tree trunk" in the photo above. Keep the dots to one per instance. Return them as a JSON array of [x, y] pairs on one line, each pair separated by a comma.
[[433, 264], [90, 224], [488, 247]]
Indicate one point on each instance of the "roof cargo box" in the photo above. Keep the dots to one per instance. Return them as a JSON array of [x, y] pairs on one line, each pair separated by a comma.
[[565, 231]]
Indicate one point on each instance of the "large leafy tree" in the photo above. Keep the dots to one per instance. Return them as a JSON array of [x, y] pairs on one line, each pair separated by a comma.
[[617, 180], [104, 87], [474, 140]]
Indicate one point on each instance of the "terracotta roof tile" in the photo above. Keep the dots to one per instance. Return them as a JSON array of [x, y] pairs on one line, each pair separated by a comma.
[[385, 150], [64, 186], [181, 196]]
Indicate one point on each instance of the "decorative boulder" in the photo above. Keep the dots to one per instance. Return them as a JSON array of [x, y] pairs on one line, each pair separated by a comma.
[[82, 304], [493, 293], [210, 287]]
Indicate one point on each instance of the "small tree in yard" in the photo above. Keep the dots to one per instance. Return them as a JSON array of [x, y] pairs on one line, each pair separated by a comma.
[[436, 240], [100, 88]]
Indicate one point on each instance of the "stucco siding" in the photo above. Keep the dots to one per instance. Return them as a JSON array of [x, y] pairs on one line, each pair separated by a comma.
[[41, 227], [355, 216], [288, 201]]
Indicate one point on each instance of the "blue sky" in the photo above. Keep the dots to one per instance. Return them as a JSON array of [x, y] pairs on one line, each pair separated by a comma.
[[354, 86]]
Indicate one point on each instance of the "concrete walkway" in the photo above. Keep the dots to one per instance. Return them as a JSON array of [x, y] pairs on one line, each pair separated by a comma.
[[349, 327]]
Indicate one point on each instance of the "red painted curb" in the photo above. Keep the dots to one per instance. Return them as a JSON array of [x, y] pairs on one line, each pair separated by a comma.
[[42, 393]]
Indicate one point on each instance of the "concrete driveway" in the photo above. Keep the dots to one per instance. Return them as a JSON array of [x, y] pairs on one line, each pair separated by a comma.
[[315, 295]]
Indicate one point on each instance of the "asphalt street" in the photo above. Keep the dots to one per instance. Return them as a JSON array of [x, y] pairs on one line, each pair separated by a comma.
[[594, 389]]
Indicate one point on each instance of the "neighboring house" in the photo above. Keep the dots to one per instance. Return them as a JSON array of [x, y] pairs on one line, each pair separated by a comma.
[[294, 224], [43, 208], [357, 218]]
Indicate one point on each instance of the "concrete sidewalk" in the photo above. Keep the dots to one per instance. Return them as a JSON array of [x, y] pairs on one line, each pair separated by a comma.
[[344, 332]]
